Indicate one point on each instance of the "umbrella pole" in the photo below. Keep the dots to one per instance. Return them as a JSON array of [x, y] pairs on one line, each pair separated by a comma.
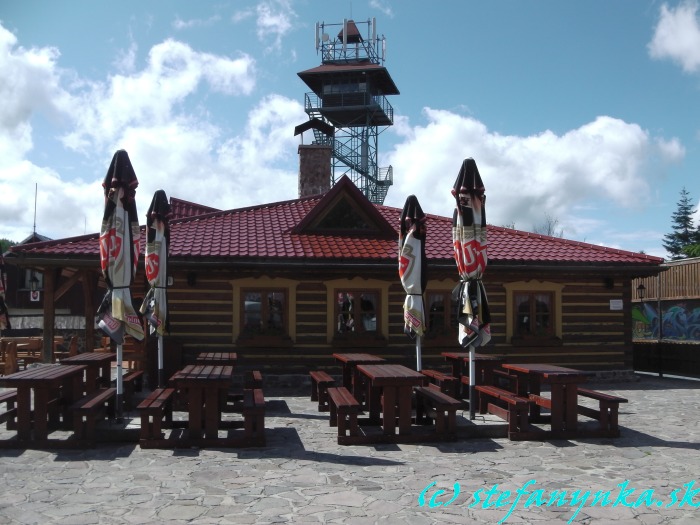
[[419, 366], [120, 383], [472, 382], [160, 362]]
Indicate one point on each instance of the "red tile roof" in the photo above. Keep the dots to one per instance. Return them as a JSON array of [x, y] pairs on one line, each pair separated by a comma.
[[268, 232], [180, 208]]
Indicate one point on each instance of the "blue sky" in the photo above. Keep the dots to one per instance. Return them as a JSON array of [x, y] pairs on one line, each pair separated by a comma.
[[585, 112]]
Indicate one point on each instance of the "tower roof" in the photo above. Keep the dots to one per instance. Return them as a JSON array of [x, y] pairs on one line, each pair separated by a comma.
[[354, 35]]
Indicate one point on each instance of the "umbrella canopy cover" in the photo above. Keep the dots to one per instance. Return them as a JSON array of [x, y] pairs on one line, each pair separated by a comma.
[[412, 266], [120, 239], [4, 316], [469, 240], [155, 304]]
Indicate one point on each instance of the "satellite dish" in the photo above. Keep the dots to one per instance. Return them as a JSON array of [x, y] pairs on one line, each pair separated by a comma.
[[324, 37]]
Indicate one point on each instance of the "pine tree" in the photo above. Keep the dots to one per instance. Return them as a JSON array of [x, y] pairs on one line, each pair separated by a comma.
[[684, 232]]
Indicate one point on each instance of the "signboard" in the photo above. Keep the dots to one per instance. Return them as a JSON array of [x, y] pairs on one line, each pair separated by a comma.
[[35, 296], [615, 304]]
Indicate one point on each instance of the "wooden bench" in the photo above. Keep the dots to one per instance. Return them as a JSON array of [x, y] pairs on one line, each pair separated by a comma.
[[447, 383], [515, 411], [343, 413], [88, 410], [320, 382], [156, 407], [9, 416], [132, 382], [445, 408], [253, 379], [607, 413], [254, 416], [8, 358]]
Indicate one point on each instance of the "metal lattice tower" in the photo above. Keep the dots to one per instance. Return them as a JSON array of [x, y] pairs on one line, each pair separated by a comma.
[[348, 96]]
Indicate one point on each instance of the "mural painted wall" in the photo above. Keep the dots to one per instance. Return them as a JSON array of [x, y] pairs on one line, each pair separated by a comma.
[[681, 320]]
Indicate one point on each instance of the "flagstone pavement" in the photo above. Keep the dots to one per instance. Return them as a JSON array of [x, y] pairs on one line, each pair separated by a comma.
[[303, 476]]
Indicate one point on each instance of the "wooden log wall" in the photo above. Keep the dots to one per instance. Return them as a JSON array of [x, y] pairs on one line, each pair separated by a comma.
[[594, 336]]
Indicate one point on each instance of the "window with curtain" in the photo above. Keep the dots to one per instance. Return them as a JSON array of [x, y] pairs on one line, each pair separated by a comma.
[[534, 314], [357, 311], [263, 312]]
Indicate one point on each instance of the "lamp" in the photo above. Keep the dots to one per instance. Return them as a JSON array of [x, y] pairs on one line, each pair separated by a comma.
[[641, 291], [33, 282]]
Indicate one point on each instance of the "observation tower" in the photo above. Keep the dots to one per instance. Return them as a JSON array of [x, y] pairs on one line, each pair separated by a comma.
[[347, 105]]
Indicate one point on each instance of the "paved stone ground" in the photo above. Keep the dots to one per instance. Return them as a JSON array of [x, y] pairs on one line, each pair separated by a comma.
[[304, 477]]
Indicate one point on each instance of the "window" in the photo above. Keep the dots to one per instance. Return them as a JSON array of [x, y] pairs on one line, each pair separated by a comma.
[[263, 312], [534, 314], [441, 316], [357, 311]]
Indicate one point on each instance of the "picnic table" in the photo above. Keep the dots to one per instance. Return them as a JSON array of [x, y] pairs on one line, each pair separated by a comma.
[[351, 377], [217, 358], [394, 384], [564, 396], [54, 388], [205, 388], [99, 366], [484, 365]]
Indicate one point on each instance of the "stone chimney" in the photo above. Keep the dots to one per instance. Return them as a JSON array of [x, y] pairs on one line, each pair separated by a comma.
[[314, 169]]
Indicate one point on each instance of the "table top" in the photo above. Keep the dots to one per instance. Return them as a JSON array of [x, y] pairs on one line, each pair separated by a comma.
[[217, 358], [477, 357], [89, 358], [211, 375], [50, 375], [394, 375], [543, 369], [357, 358]]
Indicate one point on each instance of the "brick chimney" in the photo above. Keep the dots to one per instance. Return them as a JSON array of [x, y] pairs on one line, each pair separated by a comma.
[[314, 169]]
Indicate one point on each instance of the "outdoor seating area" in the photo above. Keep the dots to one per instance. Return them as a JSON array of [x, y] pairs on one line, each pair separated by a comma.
[[380, 402], [369, 399], [74, 404]]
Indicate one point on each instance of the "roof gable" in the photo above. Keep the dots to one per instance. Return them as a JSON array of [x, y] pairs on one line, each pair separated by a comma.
[[344, 210]]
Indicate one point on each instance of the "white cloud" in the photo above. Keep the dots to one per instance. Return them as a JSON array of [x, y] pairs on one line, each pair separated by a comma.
[[274, 21], [382, 6], [181, 24], [677, 36], [526, 177], [153, 95]]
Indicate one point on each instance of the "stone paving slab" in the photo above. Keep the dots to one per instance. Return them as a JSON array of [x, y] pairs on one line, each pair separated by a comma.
[[304, 477]]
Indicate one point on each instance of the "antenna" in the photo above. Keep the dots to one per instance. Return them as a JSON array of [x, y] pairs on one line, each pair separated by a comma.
[[36, 186], [345, 34], [317, 37], [374, 30]]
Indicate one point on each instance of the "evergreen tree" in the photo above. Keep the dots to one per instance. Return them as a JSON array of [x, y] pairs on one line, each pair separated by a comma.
[[684, 231]]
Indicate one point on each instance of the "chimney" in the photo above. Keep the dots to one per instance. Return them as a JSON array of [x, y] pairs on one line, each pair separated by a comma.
[[314, 169]]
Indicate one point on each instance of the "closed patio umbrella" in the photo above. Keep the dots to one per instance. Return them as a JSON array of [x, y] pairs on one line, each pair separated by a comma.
[[120, 239], [469, 241], [155, 304], [412, 271]]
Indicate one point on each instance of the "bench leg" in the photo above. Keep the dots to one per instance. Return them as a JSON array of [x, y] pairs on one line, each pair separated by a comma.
[[323, 405], [314, 390], [333, 415]]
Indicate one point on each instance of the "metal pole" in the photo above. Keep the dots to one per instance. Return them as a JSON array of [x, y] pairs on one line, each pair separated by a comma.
[[161, 381], [120, 383], [472, 382]]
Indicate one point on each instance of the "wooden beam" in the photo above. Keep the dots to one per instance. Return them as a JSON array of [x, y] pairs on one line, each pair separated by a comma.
[[89, 279], [49, 312], [67, 285]]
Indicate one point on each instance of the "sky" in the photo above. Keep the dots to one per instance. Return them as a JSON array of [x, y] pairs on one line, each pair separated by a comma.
[[585, 114]]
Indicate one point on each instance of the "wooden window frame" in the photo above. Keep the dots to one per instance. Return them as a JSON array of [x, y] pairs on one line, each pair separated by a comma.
[[263, 284], [534, 287], [357, 284]]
